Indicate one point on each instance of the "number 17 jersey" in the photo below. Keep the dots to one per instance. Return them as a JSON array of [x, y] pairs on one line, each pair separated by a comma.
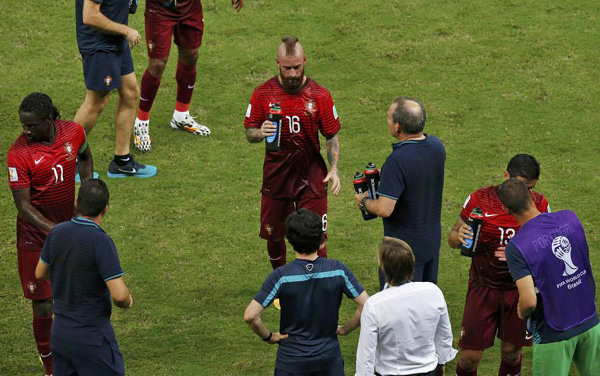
[[48, 171], [298, 167], [497, 229]]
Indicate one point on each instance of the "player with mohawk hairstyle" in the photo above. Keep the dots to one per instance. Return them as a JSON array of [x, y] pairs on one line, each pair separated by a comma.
[[295, 176]]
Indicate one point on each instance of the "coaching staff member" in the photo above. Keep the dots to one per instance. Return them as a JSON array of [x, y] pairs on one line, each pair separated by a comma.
[[549, 260], [81, 261], [310, 290], [405, 329], [410, 191]]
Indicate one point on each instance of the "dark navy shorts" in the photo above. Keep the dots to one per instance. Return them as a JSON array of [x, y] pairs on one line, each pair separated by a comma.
[[76, 359], [337, 370], [102, 70]]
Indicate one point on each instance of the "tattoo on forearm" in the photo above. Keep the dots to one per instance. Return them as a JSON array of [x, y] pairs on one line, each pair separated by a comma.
[[333, 152], [253, 135]]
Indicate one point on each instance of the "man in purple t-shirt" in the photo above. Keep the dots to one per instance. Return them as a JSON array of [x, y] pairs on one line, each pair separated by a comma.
[[549, 261]]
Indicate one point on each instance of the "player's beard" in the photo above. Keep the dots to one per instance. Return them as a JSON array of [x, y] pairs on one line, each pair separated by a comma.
[[292, 85]]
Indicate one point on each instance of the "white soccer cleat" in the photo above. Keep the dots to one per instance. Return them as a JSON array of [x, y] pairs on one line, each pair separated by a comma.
[[141, 135], [189, 124]]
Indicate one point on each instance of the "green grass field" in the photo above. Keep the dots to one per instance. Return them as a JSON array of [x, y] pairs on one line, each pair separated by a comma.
[[496, 77]]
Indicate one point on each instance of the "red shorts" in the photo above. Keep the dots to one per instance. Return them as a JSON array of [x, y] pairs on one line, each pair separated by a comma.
[[490, 312], [33, 288], [159, 32], [274, 211]]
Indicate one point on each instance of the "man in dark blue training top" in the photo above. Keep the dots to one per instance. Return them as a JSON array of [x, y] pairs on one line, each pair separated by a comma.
[[410, 191], [105, 42], [310, 291], [81, 261], [550, 254]]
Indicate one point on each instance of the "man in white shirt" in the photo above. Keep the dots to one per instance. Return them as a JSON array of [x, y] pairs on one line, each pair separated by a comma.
[[405, 329]]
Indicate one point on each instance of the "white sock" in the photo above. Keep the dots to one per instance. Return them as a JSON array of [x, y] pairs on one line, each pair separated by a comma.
[[180, 116]]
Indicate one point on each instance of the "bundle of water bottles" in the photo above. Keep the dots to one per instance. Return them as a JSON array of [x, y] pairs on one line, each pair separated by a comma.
[[367, 181]]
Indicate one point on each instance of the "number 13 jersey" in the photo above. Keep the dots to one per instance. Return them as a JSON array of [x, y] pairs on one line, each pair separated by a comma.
[[496, 230], [297, 169], [48, 171]]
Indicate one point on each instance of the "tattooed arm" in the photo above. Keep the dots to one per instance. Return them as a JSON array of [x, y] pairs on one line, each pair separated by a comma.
[[333, 156]]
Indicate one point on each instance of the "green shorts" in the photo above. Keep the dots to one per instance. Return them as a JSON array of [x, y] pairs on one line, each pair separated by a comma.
[[555, 358]]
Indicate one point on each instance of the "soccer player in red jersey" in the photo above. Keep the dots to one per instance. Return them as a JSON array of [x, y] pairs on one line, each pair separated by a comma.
[[182, 21], [41, 174], [492, 296], [295, 176]]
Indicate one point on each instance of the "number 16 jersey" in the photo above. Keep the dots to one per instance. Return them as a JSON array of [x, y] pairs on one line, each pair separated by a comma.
[[298, 167], [48, 171]]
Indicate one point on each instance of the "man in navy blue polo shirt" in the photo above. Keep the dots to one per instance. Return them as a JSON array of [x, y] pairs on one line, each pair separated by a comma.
[[410, 191], [82, 263], [105, 41], [549, 261], [310, 291]]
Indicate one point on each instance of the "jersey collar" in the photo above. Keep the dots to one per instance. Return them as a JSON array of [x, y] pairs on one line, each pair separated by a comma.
[[396, 145]]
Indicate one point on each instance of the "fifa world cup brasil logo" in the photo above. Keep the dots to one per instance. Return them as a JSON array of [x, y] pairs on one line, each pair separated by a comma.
[[561, 247]]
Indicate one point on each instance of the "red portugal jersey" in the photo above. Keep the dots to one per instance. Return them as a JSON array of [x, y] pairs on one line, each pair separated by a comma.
[[48, 171], [180, 9], [497, 229], [298, 166]]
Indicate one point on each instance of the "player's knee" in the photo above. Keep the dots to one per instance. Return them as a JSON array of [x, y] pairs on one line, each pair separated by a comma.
[[42, 308], [130, 94], [156, 67], [469, 359], [510, 352], [97, 100], [188, 57]]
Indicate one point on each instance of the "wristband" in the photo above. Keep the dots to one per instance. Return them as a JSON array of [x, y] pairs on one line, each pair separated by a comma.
[[269, 337]]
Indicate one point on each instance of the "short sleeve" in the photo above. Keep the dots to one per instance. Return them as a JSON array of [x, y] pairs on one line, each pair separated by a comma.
[[352, 288], [329, 121], [392, 180], [516, 262], [18, 172], [107, 260], [269, 290], [255, 113], [470, 203]]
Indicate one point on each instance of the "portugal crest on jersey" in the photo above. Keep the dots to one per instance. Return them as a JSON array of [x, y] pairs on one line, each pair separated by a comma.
[[310, 107], [69, 150]]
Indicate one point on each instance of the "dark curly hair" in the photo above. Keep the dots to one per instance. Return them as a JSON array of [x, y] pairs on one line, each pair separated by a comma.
[[40, 105]]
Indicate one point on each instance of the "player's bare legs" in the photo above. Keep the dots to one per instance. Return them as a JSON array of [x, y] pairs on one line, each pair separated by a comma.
[[186, 81], [95, 102], [42, 324], [125, 113]]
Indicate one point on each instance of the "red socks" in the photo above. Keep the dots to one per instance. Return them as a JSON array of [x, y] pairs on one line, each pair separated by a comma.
[[186, 80], [41, 331], [149, 89], [509, 368], [276, 253], [460, 372]]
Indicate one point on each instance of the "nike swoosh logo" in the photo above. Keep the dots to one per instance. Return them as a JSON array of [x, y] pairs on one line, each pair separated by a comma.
[[143, 99], [125, 159], [488, 215], [39, 160], [132, 171], [191, 86], [528, 337]]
